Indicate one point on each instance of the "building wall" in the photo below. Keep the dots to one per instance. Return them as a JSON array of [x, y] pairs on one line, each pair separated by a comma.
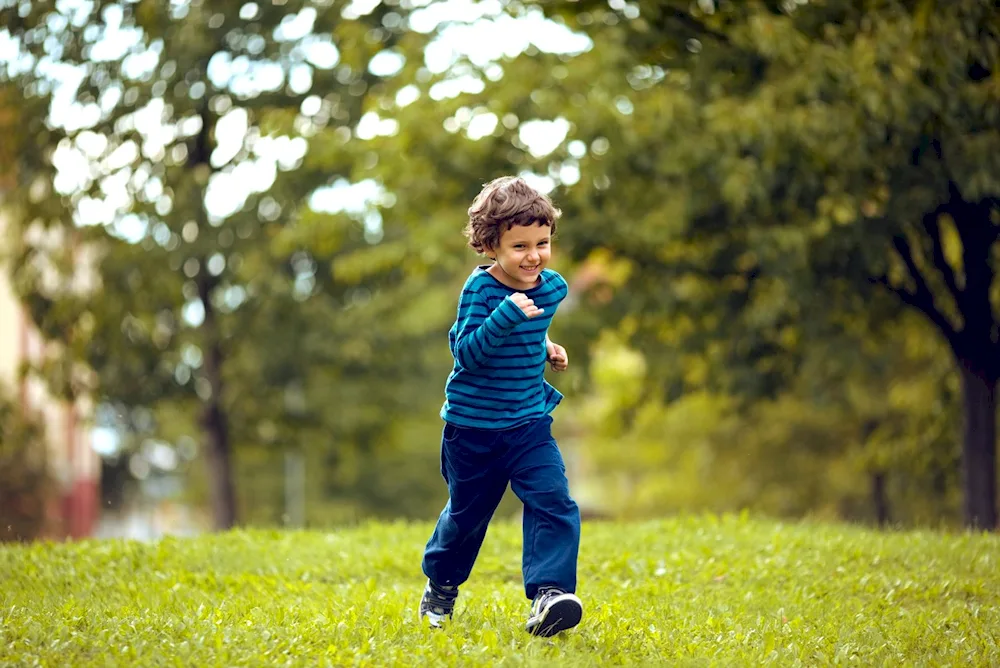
[[74, 463], [10, 326]]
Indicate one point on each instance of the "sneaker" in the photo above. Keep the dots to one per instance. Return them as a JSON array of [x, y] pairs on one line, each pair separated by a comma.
[[553, 611], [437, 604]]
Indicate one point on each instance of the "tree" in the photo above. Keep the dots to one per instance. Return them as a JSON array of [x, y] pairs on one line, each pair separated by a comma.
[[774, 168], [203, 99]]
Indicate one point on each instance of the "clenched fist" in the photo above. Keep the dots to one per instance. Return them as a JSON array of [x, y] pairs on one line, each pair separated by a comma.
[[556, 356], [526, 305]]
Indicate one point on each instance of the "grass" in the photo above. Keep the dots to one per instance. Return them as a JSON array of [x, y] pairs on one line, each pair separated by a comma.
[[688, 591]]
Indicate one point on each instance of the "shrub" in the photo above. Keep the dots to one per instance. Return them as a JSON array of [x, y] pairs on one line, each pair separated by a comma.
[[26, 484]]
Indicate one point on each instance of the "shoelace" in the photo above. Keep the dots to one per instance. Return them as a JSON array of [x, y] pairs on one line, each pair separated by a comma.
[[440, 601], [544, 595]]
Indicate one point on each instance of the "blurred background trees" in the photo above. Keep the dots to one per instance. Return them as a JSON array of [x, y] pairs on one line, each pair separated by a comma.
[[780, 231]]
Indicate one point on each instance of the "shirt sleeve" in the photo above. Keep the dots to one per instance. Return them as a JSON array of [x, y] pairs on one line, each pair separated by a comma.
[[562, 286], [480, 332]]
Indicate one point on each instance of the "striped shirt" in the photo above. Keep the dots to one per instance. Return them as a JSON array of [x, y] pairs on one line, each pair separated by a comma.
[[498, 381]]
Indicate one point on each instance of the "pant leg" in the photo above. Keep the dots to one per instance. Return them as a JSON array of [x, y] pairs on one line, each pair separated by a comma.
[[472, 464], [551, 517]]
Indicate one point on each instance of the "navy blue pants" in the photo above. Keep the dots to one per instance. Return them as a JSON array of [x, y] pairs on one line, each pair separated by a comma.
[[478, 464]]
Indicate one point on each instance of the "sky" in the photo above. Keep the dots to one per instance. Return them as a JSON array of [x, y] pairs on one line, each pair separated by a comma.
[[478, 30]]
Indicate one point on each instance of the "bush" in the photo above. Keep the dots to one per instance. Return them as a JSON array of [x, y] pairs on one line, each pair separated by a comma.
[[26, 484]]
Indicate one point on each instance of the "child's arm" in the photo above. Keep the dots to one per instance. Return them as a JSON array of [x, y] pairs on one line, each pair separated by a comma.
[[479, 334]]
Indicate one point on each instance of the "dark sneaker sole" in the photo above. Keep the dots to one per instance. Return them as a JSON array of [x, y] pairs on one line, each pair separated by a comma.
[[562, 614]]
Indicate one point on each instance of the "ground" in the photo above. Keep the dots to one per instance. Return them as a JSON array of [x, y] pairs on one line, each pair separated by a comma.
[[696, 590]]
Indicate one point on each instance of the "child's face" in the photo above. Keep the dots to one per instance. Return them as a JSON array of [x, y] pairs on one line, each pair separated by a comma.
[[524, 251]]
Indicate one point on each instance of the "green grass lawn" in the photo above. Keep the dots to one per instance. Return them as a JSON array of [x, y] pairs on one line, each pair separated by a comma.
[[688, 591]]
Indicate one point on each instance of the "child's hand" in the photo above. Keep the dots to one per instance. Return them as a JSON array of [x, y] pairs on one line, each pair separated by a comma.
[[526, 305], [557, 356]]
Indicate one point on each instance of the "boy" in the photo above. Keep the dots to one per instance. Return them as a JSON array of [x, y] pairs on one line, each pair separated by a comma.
[[496, 412]]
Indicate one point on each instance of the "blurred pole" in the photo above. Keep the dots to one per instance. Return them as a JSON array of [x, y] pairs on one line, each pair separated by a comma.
[[295, 489]]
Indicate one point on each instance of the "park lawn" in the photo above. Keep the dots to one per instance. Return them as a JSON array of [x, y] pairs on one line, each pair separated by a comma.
[[696, 590]]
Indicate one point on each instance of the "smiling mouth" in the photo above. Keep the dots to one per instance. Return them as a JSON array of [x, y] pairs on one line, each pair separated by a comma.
[[532, 268]]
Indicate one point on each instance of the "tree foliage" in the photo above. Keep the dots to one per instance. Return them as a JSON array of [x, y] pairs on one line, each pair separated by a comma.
[[191, 132], [769, 210], [791, 168]]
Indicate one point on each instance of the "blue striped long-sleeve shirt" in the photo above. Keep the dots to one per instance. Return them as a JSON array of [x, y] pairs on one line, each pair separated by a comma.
[[498, 380]]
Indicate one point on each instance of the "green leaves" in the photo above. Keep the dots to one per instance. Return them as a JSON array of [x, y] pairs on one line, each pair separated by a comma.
[[733, 178], [827, 141], [220, 292]]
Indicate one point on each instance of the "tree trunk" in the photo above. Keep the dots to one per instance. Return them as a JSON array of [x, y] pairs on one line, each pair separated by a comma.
[[880, 500], [214, 420], [215, 423], [974, 345], [979, 454]]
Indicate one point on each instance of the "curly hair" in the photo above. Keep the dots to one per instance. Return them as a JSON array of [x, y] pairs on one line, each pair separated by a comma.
[[503, 203]]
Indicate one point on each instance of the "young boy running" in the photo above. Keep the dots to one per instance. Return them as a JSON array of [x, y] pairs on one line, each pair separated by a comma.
[[497, 413]]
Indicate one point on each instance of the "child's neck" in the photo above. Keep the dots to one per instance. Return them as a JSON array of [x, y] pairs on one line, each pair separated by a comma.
[[497, 272]]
